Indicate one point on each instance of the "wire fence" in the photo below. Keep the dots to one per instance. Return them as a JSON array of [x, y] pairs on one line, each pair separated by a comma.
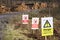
[[13, 17]]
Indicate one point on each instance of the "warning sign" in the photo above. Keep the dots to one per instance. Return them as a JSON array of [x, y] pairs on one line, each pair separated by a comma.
[[25, 19], [47, 26], [35, 22]]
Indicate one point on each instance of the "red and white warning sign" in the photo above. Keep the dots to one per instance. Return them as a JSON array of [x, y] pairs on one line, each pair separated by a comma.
[[35, 22], [25, 19]]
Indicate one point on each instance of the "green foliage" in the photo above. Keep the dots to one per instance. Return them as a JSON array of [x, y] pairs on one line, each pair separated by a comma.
[[17, 26], [24, 32]]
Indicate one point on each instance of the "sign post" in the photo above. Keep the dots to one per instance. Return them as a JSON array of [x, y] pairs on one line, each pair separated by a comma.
[[35, 22], [45, 37], [47, 26]]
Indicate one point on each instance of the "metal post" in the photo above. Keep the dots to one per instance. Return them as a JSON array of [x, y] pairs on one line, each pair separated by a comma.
[[33, 33], [45, 37], [49, 11]]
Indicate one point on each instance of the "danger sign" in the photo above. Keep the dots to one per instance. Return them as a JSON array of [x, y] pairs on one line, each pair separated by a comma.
[[35, 22], [25, 19], [47, 26]]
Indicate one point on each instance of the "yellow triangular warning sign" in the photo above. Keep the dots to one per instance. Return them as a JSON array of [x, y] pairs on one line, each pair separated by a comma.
[[47, 24]]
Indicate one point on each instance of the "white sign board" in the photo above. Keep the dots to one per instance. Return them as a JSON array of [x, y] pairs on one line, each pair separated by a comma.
[[25, 19], [35, 22], [47, 26]]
